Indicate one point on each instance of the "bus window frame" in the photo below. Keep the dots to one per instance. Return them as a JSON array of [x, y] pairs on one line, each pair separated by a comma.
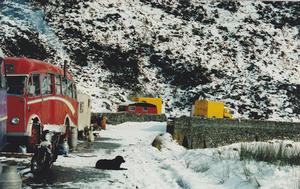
[[57, 76], [52, 84], [44, 75], [40, 85], [70, 85], [74, 91], [25, 84], [64, 86]]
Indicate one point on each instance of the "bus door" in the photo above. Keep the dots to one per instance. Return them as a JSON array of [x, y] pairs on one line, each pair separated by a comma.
[[48, 99], [16, 103], [34, 96], [59, 114]]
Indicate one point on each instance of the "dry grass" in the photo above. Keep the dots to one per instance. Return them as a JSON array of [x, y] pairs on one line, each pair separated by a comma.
[[281, 153]]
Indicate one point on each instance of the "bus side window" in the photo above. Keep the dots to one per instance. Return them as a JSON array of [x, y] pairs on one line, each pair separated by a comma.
[[69, 88], [51, 83], [64, 87], [47, 84], [89, 103], [74, 91], [34, 83], [81, 106], [58, 84]]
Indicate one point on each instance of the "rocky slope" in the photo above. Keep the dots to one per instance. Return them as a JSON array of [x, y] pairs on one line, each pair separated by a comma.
[[243, 53]]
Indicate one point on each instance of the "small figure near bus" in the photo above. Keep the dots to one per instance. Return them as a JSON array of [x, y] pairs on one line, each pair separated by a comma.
[[103, 122]]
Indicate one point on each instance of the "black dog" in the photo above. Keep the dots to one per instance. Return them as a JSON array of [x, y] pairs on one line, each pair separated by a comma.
[[112, 164]]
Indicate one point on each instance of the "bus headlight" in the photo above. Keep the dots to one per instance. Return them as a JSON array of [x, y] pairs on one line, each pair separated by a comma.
[[15, 120]]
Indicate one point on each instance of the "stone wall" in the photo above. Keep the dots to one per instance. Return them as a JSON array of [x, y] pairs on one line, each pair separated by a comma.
[[117, 118], [194, 132]]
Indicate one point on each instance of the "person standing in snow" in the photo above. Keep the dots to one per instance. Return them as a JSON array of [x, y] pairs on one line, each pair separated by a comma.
[[103, 122]]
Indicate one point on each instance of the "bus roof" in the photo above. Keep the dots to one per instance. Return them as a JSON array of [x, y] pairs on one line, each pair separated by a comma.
[[27, 66]]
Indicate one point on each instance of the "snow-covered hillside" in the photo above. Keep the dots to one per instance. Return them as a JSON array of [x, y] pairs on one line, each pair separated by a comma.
[[243, 53]]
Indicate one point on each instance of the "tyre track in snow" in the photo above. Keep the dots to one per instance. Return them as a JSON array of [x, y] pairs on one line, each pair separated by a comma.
[[150, 168], [147, 167]]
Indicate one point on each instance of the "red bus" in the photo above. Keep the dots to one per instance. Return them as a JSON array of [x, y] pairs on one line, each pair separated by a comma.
[[40, 96], [139, 108]]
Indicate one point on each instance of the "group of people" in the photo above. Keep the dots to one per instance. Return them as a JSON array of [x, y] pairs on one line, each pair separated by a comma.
[[100, 124]]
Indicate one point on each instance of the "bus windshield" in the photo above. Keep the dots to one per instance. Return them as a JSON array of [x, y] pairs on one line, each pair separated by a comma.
[[15, 85]]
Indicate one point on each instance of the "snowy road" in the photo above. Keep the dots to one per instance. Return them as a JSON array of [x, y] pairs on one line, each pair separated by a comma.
[[147, 167], [171, 168]]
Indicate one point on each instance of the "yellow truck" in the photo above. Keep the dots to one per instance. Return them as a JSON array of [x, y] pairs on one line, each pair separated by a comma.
[[211, 109], [155, 101]]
